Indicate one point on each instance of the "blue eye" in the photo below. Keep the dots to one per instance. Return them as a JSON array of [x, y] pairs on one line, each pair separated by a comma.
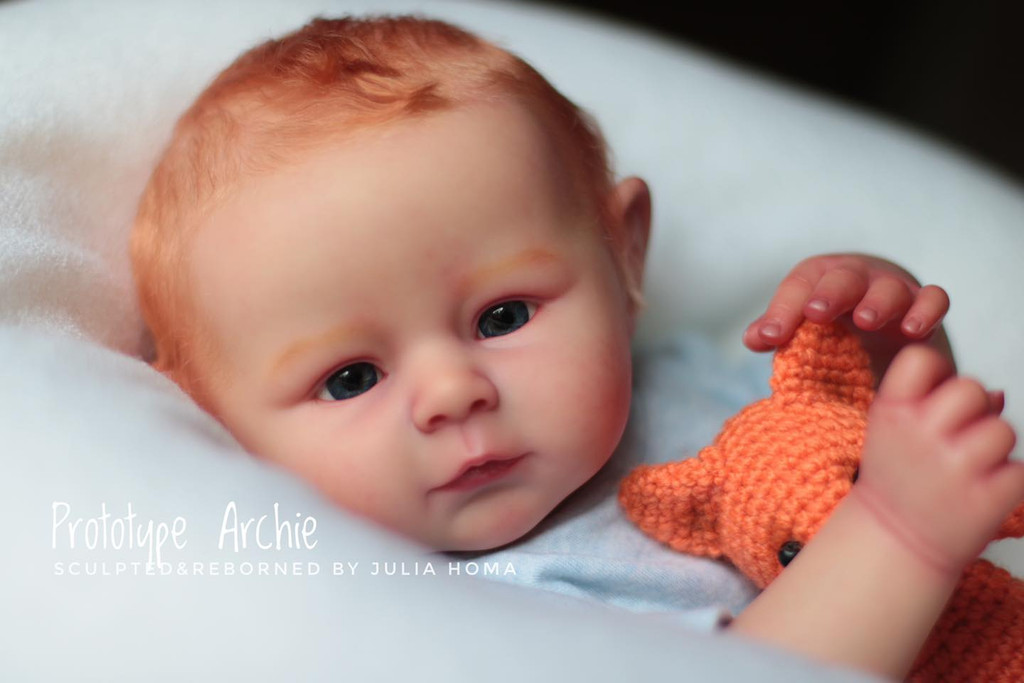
[[349, 382], [504, 318]]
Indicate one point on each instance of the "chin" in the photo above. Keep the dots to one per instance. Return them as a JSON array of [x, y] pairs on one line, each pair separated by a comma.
[[493, 533]]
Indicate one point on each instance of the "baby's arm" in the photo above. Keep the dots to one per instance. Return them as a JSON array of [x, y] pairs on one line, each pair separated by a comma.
[[934, 486]]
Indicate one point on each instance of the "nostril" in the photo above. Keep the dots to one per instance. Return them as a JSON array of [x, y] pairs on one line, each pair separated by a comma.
[[437, 420]]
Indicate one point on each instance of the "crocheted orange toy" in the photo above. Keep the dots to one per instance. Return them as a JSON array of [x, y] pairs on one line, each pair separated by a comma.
[[778, 469]]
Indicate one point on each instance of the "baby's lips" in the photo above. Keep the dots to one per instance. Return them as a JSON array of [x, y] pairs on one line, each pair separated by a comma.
[[480, 470]]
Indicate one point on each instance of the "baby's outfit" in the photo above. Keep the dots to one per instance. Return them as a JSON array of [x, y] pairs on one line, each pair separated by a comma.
[[682, 392]]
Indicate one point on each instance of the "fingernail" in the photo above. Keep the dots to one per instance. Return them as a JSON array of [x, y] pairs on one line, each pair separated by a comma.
[[913, 326], [771, 330], [868, 315], [819, 305]]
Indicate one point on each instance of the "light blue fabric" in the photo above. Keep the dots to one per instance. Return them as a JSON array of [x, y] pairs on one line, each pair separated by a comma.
[[683, 391]]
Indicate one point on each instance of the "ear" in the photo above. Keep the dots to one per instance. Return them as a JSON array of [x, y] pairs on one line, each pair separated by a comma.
[[676, 504], [823, 363], [629, 207]]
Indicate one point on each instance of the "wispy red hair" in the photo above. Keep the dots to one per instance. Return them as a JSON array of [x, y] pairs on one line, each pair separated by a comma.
[[326, 81]]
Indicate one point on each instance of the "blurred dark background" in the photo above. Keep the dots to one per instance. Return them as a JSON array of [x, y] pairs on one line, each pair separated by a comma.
[[952, 69]]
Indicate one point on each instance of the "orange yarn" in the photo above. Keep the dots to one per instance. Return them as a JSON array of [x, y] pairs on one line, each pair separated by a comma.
[[777, 470]]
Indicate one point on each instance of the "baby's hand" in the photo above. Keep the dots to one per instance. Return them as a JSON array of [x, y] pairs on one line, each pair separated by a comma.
[[880, 297], [935, 468]]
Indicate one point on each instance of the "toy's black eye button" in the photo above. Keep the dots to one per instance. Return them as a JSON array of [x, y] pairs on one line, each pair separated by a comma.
[[788, 551], [856, 473]]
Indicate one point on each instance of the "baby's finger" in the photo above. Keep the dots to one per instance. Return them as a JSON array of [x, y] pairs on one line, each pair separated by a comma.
[[752, 338], [957, 403], [997, 401], [785, 311], [988, 442], [1007, 485], [913, 373], [887, 298], [926, 312], [837, 292]]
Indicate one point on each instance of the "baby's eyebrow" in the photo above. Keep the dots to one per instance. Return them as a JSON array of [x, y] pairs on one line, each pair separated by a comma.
[[534, 256], [334, 336]]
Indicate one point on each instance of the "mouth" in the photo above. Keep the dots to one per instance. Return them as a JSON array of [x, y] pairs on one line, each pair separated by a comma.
[[480, 471]]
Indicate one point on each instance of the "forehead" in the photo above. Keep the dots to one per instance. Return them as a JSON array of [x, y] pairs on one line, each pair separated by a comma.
[[465, 171], [483, 150]]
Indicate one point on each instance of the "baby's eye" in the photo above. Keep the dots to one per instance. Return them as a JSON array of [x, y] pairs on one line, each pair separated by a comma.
[[504, 318], [349, 382]]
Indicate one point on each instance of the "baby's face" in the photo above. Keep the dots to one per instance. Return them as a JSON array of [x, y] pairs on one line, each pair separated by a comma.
[[424, 322]]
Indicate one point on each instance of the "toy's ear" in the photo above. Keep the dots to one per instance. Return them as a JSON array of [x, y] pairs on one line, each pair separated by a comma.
[[823, 363], [676, 504]]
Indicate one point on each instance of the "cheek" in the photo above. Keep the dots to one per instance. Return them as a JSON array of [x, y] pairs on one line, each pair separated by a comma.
[[581, 398], [331, 454], [603, 398]]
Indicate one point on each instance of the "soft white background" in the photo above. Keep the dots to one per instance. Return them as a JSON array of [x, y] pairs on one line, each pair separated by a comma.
[[748, 176]]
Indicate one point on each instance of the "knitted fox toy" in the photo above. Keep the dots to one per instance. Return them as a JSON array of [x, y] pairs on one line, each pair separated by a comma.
[[778, 469]]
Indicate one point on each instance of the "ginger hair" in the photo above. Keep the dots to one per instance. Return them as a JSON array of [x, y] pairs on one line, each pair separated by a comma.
[[328, 80]]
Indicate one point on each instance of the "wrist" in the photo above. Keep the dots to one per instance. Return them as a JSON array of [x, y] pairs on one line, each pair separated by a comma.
[[932, 557], [854, 595]]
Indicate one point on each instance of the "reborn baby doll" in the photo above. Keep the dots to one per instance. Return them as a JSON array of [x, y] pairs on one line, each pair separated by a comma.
[[779, 468], [390, 257]]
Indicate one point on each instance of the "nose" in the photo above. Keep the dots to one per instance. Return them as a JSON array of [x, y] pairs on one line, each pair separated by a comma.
[[451, 390]]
